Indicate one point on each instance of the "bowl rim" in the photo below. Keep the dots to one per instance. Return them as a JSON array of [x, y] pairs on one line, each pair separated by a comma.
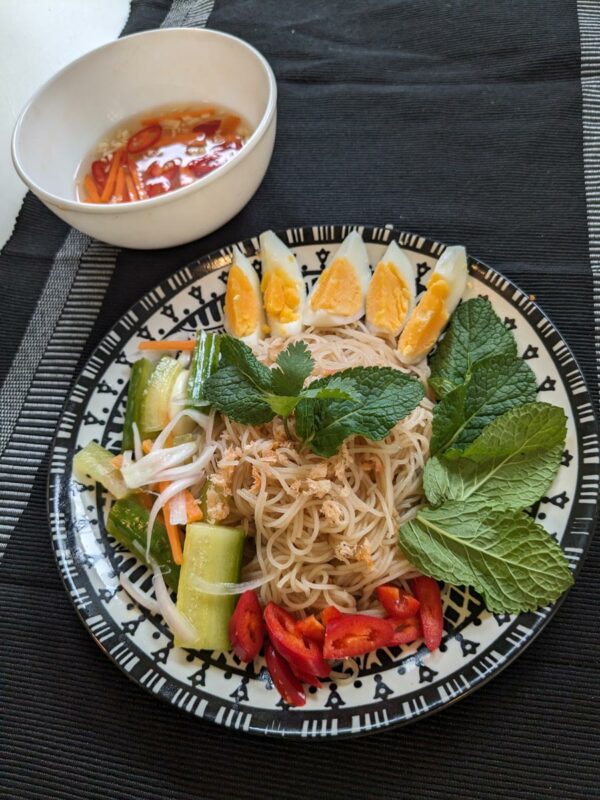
[[169, 197]]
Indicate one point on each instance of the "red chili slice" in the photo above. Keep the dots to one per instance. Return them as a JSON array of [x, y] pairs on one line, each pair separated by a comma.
[[311, 628], [208, 128], [431, 612], [144, 139], [305, 677], [100, 173], [304, 654], [397, 602], [405, 631], [153, 171], [356, 634], [328, 613], [202, 166], [246, 627], [288, 686], [156, 189]]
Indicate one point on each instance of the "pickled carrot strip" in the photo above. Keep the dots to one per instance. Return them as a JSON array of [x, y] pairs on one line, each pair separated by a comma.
[[119, 193], [229, 124], [137, 180], [133, 195], [90, 188], [168, 344], [107, 192], [192, 112]]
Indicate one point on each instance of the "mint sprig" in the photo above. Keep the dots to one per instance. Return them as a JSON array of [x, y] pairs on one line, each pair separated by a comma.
[[364, 400]]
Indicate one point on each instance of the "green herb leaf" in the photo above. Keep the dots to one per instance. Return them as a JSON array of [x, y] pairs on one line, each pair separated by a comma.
[[233, 394], [475, 332], [505, 556], [293, 367], [496, 384], [385, 396], [509, 466], [283, 405], [240, 356]]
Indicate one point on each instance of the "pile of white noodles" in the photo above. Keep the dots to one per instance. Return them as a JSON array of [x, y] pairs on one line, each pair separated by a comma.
[[321, 531]]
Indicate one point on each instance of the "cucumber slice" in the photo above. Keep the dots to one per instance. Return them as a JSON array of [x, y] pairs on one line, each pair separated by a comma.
[[213, 553], [140, 374], [128, 523], [157, 398], [178, 402], [95, 462], [204, 362]]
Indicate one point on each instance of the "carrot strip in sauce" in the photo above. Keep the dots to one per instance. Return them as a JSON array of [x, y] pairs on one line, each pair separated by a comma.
[[172, 530], [172, 344], [119, 193], [135, 175], [131, 190], [90, 188], [229, 124], [111, 179], [191, 112]]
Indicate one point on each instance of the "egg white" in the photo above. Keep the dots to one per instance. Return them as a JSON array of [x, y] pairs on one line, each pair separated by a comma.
[[396, 256], [274, 253], [353, 250], [240, 261]]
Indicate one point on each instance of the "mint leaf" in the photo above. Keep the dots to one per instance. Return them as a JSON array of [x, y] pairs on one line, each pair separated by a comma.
[[240, 356], [293, 366], [384, 396], [496, 384], [509, 466], [306, 416], [475, 332], [505, 556], [233, 394]]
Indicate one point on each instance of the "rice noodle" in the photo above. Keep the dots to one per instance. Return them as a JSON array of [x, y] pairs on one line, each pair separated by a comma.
[[325, 530]]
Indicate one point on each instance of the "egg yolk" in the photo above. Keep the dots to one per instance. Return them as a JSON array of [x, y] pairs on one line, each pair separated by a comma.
[[427, 320], [387, 298], [241, 303], [280, 295], [338, 290]]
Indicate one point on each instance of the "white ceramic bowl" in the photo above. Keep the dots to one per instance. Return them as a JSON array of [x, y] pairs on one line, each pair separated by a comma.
[[69, 114]]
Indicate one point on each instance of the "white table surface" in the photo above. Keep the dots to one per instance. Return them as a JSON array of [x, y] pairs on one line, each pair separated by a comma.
[[37, 38]]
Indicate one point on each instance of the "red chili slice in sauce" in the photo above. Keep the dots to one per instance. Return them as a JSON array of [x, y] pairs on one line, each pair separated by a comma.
[[100, 173], [208, 128], [144, 139]]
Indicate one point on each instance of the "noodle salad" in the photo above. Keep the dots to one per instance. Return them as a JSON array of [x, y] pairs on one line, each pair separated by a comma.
[[302, 483]]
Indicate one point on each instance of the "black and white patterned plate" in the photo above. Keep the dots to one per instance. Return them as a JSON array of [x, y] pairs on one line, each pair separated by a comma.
[[392, 686]]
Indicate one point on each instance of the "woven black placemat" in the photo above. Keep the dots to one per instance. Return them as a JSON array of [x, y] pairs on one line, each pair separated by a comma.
[[458, 120]]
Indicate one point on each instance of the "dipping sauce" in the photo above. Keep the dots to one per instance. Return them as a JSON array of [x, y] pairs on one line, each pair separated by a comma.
[[159, 152]]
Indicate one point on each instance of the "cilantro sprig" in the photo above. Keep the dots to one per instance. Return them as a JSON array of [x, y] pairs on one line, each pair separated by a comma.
[[364, 400]]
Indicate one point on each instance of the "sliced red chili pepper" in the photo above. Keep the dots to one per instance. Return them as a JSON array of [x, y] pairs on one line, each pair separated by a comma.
[[311, 628], [202, 166], [100, 173], [328, 613], [155, 189], [170, 172], [305, 677], [286, 683], [405, 631], [246, 627], [431, 612], [304, 654], [356, 634], [153, 171], [397, 602], [144, 139], [208, 128]]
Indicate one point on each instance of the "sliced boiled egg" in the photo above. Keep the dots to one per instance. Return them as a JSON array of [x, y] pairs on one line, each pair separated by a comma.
[[282, 286], [338, 296], [244, 315], [391, 293], [445, 287]]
